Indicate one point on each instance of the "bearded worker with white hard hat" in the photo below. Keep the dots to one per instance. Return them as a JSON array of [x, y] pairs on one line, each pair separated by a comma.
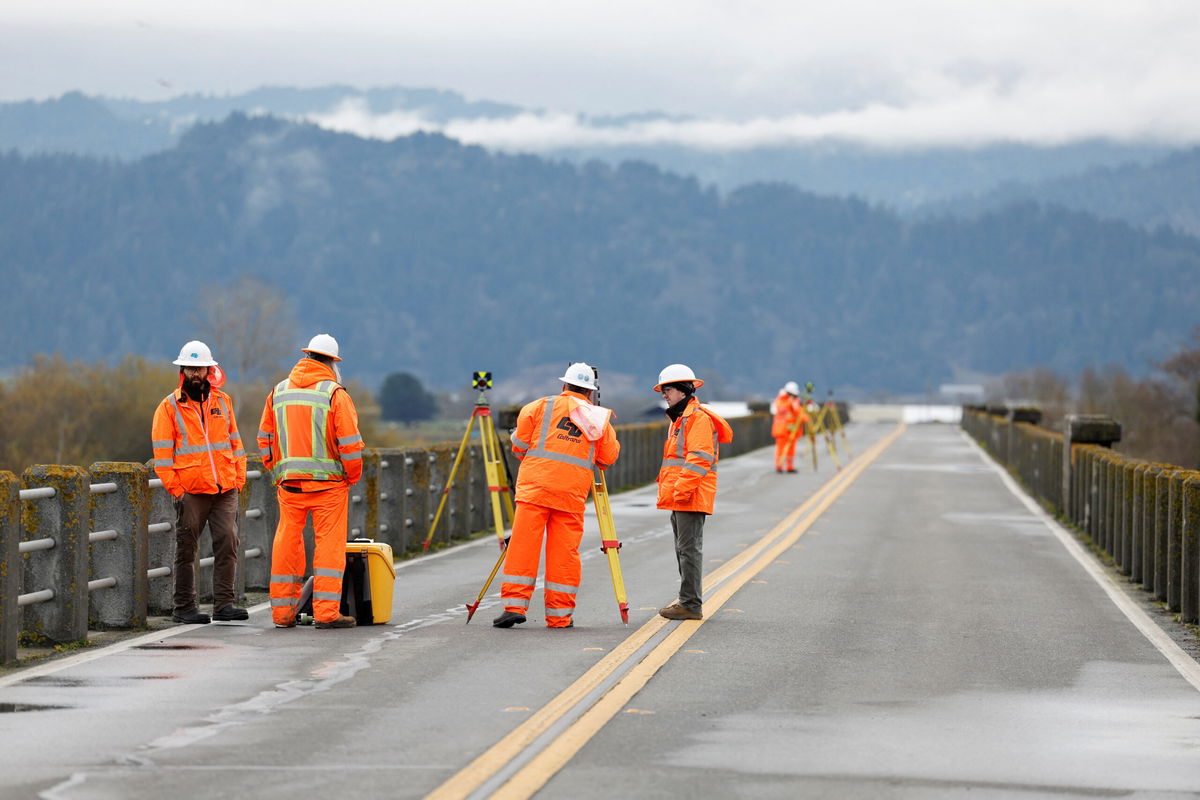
[[309, 439], [198, 455], [687, 479], [560, 440]]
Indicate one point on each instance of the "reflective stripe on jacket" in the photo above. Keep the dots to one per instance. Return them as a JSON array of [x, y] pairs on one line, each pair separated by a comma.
[[197, 447], [308, 434], [556, 459], [687, 479]]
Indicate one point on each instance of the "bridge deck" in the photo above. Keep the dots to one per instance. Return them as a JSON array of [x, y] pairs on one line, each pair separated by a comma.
[[906, 627]]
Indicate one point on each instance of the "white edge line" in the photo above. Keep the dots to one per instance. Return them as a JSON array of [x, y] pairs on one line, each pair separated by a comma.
[[59, 664], [1185, 664]]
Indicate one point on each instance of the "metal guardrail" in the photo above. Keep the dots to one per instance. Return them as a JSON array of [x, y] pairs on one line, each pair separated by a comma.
[[82, 548], [1143, 516]]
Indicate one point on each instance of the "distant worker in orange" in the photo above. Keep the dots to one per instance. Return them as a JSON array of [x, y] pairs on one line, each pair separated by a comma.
[[557, 456], [310, 441], [198, 455], [787, 425], [687, 480]]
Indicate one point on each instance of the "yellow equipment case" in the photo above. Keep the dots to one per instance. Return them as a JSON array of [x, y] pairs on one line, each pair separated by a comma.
[[366, 584], [371, 575]]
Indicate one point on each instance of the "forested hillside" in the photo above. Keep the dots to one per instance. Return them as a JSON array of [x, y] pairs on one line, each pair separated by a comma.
[[1166, 192], [428, 256]]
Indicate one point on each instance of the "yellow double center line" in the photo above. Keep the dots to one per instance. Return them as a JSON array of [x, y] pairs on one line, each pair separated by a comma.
[[730, 577]]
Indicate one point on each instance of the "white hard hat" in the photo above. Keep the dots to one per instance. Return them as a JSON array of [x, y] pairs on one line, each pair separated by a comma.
[[323, 344], [195, 354], [580, 374], [791, 387], [677, 372]]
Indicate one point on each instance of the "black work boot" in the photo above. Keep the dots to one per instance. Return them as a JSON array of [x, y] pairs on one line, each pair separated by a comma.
[[230, 613], [508, 619], [192, 616]]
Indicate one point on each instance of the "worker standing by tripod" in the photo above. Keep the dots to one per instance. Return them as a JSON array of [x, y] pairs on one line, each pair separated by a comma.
[[552, 487], [787, 425]]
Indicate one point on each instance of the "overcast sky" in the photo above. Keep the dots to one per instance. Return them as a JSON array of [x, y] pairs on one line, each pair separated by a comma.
[[890, 72]]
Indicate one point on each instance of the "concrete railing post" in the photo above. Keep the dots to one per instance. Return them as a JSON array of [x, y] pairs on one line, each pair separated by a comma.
[[1174, 553], [389, 526], [1111, 530], [477, 505], [63, 569], [1149, 510], [1083, 429], [422, 496], [256, 526], [1162, 523], [1189, 545], [10, 565], [1137, 521], [125, 513], [161, 594], [1125, 516], [361, 519]]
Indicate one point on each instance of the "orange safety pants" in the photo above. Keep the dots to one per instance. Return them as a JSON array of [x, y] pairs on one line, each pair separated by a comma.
[[785, 452], [563, 530], [329, 509]]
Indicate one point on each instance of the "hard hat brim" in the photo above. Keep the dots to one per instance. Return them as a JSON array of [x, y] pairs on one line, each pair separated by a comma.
[[181, 363], [696, 383], [320, 353]]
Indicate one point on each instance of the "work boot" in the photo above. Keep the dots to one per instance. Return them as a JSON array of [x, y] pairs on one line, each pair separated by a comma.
[[230, 613], [676, 611], [508, 619], [192, 616], [341, 622]]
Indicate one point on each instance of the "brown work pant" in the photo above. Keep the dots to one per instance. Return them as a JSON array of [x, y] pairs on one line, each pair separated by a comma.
[[220, 512]]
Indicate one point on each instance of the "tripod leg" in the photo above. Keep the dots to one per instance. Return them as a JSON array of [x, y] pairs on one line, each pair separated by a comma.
[[609, 543], [496, 485], [462, 449]]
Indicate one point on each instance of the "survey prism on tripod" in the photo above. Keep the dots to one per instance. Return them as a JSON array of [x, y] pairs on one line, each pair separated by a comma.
[[495, 466]]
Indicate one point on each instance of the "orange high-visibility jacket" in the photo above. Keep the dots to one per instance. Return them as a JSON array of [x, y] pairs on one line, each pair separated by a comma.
[[308, 434], [556, 459], [790, 416], [687, 479], [197, 447]]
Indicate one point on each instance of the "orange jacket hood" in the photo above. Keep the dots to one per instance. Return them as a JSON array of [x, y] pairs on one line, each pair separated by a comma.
[[308, 372]]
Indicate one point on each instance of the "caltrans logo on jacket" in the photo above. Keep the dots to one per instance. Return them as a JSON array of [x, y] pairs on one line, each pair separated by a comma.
[[556, 458]]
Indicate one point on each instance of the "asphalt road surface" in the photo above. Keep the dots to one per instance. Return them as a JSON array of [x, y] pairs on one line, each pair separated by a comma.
[[907, 626]]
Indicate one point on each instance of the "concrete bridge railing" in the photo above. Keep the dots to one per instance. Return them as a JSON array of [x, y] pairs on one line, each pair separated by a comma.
[[1144, 516], [93, 548]]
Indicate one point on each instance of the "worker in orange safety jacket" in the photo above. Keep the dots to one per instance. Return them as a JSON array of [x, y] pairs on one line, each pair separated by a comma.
[[557, 459], [310, 441], [787, 425], [198, 455], [687, 479]]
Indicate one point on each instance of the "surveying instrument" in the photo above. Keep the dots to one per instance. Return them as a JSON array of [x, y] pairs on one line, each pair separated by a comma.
[[494, 464]]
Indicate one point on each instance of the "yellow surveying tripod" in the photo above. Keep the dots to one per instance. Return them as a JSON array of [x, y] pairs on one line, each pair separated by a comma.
[[832, 421], [817, 426], [494, 464], [609, 544]]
